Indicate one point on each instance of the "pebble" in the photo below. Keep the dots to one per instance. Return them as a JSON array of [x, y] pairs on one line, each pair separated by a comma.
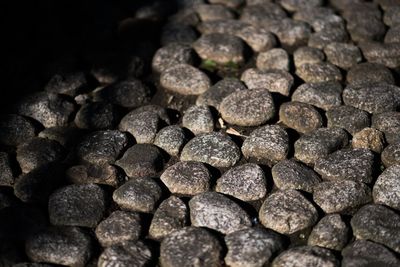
[[229, 3], [389, 124], [141, 160], [49, 109], [363, 27], [215, 211], [347, 164], [198, 119], [129, 253], [343, 55], [331, 232], [369, 73], [178, 33], [119, 227], [216, 149], [253, 247], [67, 83], [307, 55], [187, 178], [392, 35], [228, 27], [386, 190], [323, 95], [341, 196], [208, 12], [320, 18], [369, 138], [185, 79], [328, 35], [290, 174], [101, 147], [171, 55], [171, 139], [387, 54], [138, 194], [257, 38], [142, 126], [94, 174], [378, 224], [246, 182], [190, 246], [77, 205], [299, 116], [60, 245], [349, 118], [391, 16], [318, 72], [391, 155], [276, 58], [291, 33], [306, 256], [15, 129], [96, 116], [278, 81], [294, 5], [159, 110], [268, 144], [6, 170], [248, 107], [287, 212], [262, 14], [66, 136], [318, 144]]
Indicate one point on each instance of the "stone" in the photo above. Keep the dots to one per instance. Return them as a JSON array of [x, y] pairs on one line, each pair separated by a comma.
[[341, 196], [392, 35], [252, 247], [38, 152], [248, 107], [387, 54], [246, 182], [77, 205], [171, 139], [190, 246], [276, 58], [6, 170], [185, 79], [257, 38], [378, 224], [263, 14], [198, 119], [96, 116], [369, 138], [294, 5], [216, 149], [290, 174], [348, 118], [287, 212], [291, 33], [178, 33], [364, 28], [369, 73], [306, 256], [299, 116], [66, 136], [347, 164], [323, 95], [60, 245], [49, 109], [228, 3], [138, 194], [217, 212], [331, 232], [307, 55], [278, 81], [142, 126], [101, 147], [320, 18], [141, 160], [268, 144], [386, 190], [391, 155], [391, 16], [318, 144], [119, 227], [128, 253], [318, 72], [170, 216], [228, 27], [208, 12], [389, 124], [15, 129], [328, 35], [94, 174], [159, 110], [67, 83], [343, 55], [171, 55]]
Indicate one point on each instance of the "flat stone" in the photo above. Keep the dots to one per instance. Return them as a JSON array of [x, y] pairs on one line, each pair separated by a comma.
[[299, 116], [217, 212], [138, 194], [378, 224], [323, 95], [387, 54], [268, 144], [185, 79], [77, 205], [248, 107], [389, 124], [290, 174], [96, 116], [276, 58], [129, 253], [343, 55], [347, 164], [143, 126], [331, 232], [349, 118], [391, 155], [67, 83], [306, 256], [119, 227], [171, 139], [368, 73], [198, 119], [307, 55], [318, 72], [15, 129], [246, 182], [94, 174], [190, 246], [216, 149], [171, 55], [287, 212], [6, 170], [386, 190], [171, 215], [208, 12], [369, 138]]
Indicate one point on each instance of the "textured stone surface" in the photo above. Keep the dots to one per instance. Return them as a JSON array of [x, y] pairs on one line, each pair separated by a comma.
[[143, 126], [276, 58], [171, 55], [343, 55], [171, 139], [369, 138], [299, 116], [309, 55], [126, 254], [15, 129], [349, 118], [391, 155], [368, 72], [306, 256], [389, 124], [6, 170], [318, 72], [96, 115], [198, 119], [386, 189], [96, 174], [68, 83]]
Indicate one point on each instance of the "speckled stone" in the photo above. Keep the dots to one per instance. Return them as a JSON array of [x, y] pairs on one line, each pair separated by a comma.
[[143, 126], [266, 13], [96, 115], [368, 73], [386, 190], [129, 253], [343, 55], [15, 129], [287, 212], [320, 18], [294, 5], [228, 3], [389, 124], [318, 72], [67, 83], [299, 116], [257, 38], [291, 33], [307, 55], [391, 155], [171, 55], [349, 118], [387, 54], [198, 119], [215, 211], [94, 174], [306, 256], [230, 27], [328, 35], [66, 136], [171, 139], [276, 58], [208, 12], [369, 138], [6, 170], [392, 35]]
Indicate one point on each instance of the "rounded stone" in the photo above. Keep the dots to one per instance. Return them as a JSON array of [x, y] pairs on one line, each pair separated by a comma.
[[306, 256], [391, 155], [66, 136], [369, 138], [389, 124], [387, 54], [67, 83], [318, 72], [294, 5], [349, 118], [171, 55], [343, 55], [142, 126], [307, 55], [94, 174], [129, 253], [386, 190], [368, 73], [302, 117], [257, 38], [96, 115], [276, 58], [198, 119], [15, 129], [6, 170], [392, 35], [328, 35], [207, 12], [171, 139]]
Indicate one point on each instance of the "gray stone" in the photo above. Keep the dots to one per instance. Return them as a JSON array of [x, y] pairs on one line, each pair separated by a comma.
[[77, 205], [391, 16], [363, 27], [67, 83], [328, 35], [94, 174], [96, 116], [291, 33], [15, 129], [185, 79], [143, 126], [268, 144], [6, 170], [171, 55], [294, 5], [159, 110], [178, 33], [320, 18], [307, 55], [229, 27], [391, 155], [208, 12], [290, 174], [276, 58], [349, 118], [299, 116], [386, 190], [324, 95], [217, 212], [262, 14], [171, 215], [287, 212], [66, 136], [171, 139], [190, 246], [318, 72], [389, 124], [387, 54], [369, 138], [119, 227], [306, 256], [126, 254], [228, 3], [198, 119], [216, 149], [248, 107], [246, 182], [257, 38], [368, 73], [343, 55], [331, 232], [138, 194], [392, 35]]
